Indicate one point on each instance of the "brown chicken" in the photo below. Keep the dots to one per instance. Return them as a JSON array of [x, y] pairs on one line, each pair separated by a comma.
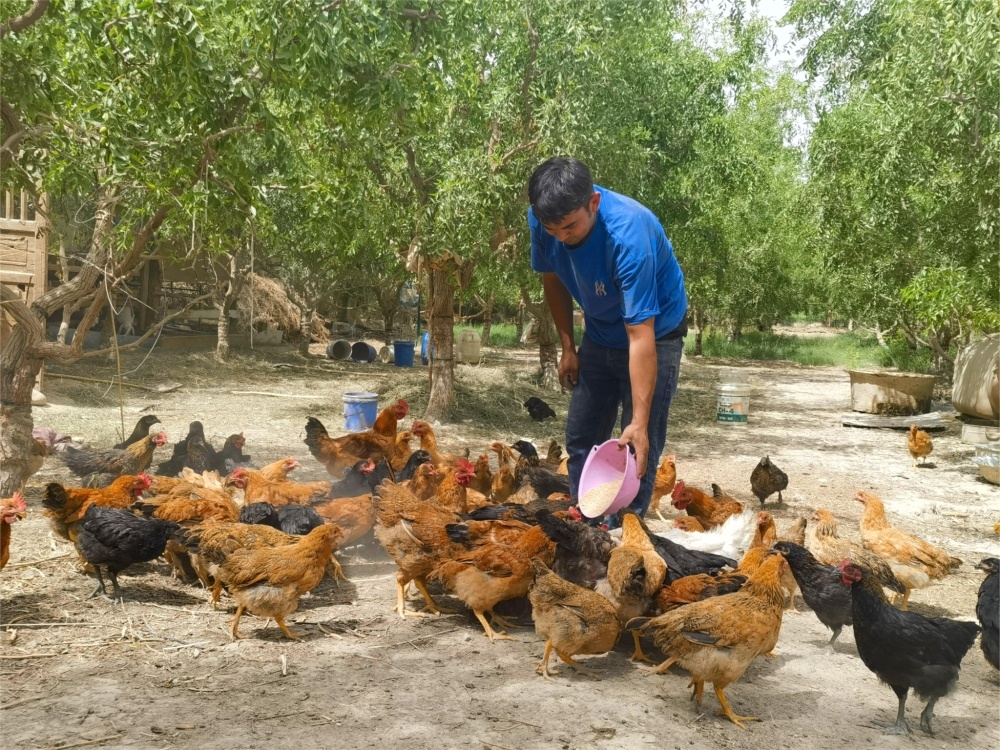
[[354, 515], [209, 544], [492, 572], [279, 470], [913, 561], [635, 575], [709, 511], [554, 455], [765, 536], [12, 510], [259, 489], [428, 442], [402, 451], [337, 454], [412, 531], [919, 444], [65, 507], [482, 481], [697, 588], [824, 544], [202, 504], [269, 582], [666, 478], [504, 485], [426, 479], [452, 492], [689, 524], [132, 460], [716, 639], [572, 620]]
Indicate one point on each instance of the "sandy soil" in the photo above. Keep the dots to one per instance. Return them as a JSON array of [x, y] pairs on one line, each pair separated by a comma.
[[160, 671]]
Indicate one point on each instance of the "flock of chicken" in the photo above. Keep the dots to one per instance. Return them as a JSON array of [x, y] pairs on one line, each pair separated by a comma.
[[710, 591]]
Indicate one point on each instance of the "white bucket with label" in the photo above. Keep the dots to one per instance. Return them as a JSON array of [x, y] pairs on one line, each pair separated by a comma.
[[733, 403]]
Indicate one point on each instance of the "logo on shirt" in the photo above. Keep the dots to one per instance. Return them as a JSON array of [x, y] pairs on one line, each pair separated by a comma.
[[599, 289]]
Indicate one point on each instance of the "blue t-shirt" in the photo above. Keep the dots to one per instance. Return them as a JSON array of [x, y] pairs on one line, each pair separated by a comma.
[[625, 272]]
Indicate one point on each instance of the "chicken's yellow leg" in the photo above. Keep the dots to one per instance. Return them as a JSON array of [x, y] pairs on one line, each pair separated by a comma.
[[431, 606], [284, 629], [489, 631], [699, 690], [728, 712], [236, 622], [543, 668], [638, 654], [577, 665], [661, 668]]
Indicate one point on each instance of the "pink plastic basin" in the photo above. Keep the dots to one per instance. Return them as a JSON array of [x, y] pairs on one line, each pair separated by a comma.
[[607, 463]]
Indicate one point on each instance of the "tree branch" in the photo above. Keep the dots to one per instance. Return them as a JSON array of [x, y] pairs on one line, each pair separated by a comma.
[[23, 21]]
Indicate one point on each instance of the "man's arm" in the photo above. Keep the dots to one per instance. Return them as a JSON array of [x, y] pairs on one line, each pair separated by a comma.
[[642, 373], [560, 303]]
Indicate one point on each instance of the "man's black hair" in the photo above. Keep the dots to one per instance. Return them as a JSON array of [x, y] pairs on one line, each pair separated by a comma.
[[558, 187]]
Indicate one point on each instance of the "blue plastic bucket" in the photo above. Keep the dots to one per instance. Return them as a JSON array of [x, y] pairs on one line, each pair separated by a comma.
[[362, 351], [360, 410], [425, 346], [404, 353]]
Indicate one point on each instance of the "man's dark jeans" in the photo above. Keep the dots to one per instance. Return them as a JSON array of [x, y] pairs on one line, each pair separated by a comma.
[[603, 385]]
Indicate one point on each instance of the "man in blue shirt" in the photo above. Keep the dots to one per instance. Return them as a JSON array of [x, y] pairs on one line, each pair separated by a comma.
[[611, 255]]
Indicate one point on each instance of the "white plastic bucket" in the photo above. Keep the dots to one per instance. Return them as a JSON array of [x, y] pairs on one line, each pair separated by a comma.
[[733, 403]]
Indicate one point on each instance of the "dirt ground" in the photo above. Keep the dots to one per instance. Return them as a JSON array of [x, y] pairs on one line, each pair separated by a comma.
[[160, 671]]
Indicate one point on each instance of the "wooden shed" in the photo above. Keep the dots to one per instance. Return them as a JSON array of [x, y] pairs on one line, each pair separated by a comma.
[[23, 246]]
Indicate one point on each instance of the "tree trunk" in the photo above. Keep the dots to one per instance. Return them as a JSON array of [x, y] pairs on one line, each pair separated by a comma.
[[305, 327], [519, 324], [699, 330], [389, 307], [736, 329], [488, 318], [548, 360], [17, 378], [222, 332], [442, 330]]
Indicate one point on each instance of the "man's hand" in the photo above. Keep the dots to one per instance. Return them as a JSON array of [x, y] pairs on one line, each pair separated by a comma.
[[569, 369], [637, 436]]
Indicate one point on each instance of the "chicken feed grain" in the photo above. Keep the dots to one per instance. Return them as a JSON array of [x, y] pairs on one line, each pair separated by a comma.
[[595, 501]]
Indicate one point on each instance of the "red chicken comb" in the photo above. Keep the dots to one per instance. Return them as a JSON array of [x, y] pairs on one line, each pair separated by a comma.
[[143, 477], [368, 467], [403, 405], [18, 503], [678, 490], [465, 465]]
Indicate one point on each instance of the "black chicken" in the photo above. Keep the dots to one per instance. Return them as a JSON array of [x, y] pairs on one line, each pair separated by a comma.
[[529, 470], [538, 409], [115, 539], [298, 520], [988, 610], [682, 561], [261, 514], [417, 458], [905, 649], [582, 550], [140, 431], [821, 586], [200, 453], [766, 479], [526, 513], [231, 455]]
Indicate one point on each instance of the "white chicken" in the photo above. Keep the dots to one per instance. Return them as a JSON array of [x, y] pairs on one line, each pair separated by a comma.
[[731, 539]]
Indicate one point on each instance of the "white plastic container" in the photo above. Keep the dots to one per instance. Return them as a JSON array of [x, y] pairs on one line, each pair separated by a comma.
[[467, 347], [733, 403]]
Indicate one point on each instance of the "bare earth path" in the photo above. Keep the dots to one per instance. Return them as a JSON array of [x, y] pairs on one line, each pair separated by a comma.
[[160, 670]]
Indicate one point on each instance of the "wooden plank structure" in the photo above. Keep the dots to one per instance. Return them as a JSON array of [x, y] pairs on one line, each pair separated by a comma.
[[930, 422], [23, 249], [23, 246]]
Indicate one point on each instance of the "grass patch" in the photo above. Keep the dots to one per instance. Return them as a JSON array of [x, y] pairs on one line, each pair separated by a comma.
[[849, 350], [504, 334]]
